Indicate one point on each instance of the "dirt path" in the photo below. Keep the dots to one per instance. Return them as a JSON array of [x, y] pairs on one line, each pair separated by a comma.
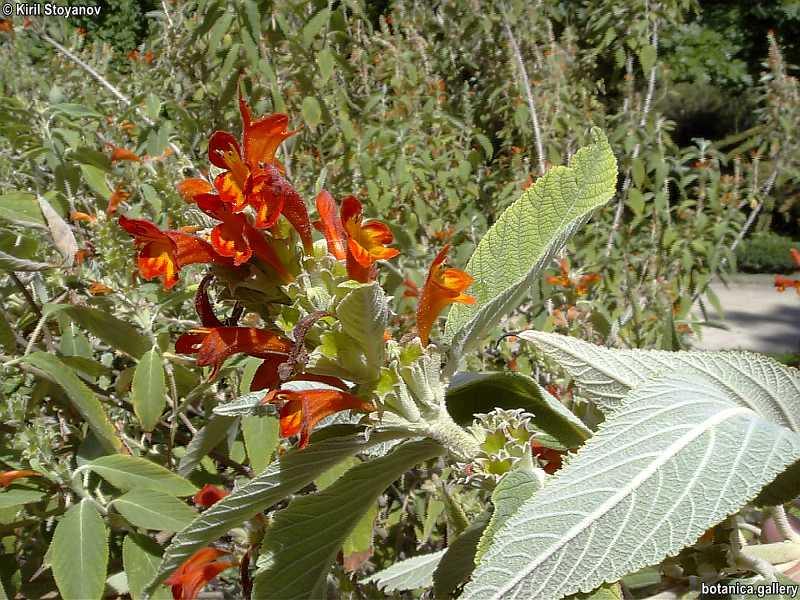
[[758, 317]]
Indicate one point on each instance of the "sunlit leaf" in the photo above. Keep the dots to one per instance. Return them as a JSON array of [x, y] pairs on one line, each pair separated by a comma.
[[79, 553], [525, 238], [152, 509], [662, 469], [132, 472]]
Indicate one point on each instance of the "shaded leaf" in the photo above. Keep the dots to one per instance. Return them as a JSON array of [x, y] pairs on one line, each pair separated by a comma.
[[152, 509], [140, 556], [148, 390], [304, 538], [9, 262], [204, 441], [17, 497], [291, 472], [458, 562], [471, 393], [116, 333], [260, 440]]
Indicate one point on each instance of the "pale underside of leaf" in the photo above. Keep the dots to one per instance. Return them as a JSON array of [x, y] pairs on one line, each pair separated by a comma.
[[409, 574], [675, 459], [529, 233], [606, 375]]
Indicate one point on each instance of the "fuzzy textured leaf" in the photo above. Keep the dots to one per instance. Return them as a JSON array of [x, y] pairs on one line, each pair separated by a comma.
[[409, 574], [606, 375], [677, 457], [116, 333], [151, 509], [303, 540], [79, 553], [514, 489], [512, 254], [364, 315], [140, 556]]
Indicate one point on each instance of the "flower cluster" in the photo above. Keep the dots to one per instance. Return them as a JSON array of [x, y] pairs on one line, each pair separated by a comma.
[[781, 282], [257, 216]]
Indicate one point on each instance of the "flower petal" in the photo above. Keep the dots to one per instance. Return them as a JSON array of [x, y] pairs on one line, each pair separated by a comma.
[[330, 225], [221, 148], [189, 188]]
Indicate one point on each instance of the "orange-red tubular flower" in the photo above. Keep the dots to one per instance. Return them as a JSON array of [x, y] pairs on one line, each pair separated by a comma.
[[781, 283], [271, 195], [302, 410], [366, 242], [215, 344], [260, 138], [330, 225], [209, 495], [194, 186], [163, 253], [196, 572], [8, 477], [795, 256], [118, 154], [442, 287], [236, 238]]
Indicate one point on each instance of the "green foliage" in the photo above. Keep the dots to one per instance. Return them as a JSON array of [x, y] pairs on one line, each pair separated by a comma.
[[766, 253], [420, 110]]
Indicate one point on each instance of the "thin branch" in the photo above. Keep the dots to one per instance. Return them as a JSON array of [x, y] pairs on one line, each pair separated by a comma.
[[648, 101], [526, 86]]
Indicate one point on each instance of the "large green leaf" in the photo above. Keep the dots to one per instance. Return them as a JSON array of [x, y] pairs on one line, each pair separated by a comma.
[[677, 457], [17, 496], [140, 556], [364, 315], [116, 333], [514, 489], [471, 393], [291, 472], [133, 472], [152, 509], [79, 553], [409, 574], [303, 540], [526, 237], [606, 375], [148, 389], [458, 562], [82, 398], [21, 208], [260, 440]]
